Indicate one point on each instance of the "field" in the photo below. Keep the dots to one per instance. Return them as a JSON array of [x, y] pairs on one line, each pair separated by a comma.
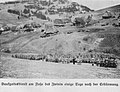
[[19, 68]]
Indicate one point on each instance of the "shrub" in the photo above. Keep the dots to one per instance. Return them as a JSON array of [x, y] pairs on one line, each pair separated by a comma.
[[14, 11]]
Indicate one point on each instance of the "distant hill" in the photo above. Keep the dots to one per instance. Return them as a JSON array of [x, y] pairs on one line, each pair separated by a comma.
[[115, 8], [85, 8], [60, 2]]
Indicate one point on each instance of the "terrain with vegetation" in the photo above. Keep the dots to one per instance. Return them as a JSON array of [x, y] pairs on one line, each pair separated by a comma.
[[58, 39]]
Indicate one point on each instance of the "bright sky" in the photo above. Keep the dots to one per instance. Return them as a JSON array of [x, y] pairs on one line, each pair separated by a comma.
[[98, 4], [6, 0], [93, 4]]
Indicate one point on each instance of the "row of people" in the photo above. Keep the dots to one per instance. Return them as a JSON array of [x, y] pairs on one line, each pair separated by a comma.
[[103, 62]]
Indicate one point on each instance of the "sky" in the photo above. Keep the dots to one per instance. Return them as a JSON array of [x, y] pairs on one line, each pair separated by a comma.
[[92, 4], [98, 4], [6, 0]]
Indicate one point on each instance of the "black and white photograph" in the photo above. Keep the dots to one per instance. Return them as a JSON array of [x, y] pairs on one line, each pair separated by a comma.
[[60, 39]]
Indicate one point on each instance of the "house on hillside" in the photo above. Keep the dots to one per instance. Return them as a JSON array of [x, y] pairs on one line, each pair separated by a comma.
[[107, 15], [58, 22], [40, 15]]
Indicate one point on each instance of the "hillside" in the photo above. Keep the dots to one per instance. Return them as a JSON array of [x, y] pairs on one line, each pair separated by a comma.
[[60, 33], [115, 8], [95, 22]]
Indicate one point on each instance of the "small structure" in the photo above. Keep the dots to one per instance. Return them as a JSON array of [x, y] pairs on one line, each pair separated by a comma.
[[14, 29], [107, 15], [58, 21], [79, 22], [62, 22], [40, 15]]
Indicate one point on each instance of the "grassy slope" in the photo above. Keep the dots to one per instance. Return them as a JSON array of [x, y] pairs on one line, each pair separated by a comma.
[[61, 43], [111, 42], [8, 18]]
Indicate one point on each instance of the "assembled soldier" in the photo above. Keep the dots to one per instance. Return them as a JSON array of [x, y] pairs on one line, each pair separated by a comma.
[[74, 60]]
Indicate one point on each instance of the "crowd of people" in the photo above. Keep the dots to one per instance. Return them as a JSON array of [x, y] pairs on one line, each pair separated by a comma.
[[96, 61]]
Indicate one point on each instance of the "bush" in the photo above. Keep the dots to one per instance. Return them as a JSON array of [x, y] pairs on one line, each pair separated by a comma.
[[14, 11], [26, 11]]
